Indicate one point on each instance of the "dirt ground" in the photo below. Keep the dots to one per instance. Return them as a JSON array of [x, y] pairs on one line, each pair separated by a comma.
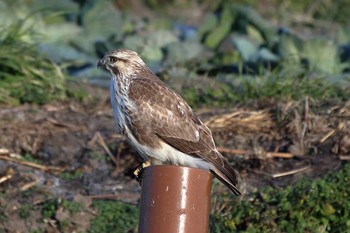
[[74, 151]]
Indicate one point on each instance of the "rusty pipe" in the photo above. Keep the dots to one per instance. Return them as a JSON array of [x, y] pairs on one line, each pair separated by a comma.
[[175, 199]]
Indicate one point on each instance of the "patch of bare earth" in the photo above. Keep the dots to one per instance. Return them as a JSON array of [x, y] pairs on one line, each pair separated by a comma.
[[74, 151]]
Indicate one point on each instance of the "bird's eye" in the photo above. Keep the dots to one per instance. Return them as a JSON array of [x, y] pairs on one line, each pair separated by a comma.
[[113, 59]]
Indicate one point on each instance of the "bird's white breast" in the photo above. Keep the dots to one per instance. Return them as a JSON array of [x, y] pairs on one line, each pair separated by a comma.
[[120, 102]]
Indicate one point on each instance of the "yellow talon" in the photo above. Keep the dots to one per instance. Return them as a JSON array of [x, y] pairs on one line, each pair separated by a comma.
[[139, 170], [146, 164]]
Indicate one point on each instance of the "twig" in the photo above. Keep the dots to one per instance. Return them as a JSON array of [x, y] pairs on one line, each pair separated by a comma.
[[259, 172], [325, 137], [246, 152], [117, 136], [330, 133], [232, 151], [280, 155], [6, 177], [117, 160], [344, 157], [4, 151], [291, 172], [61, 124], [101, 141], [9, 174], [29, 185], [306, 109], [31, 164]]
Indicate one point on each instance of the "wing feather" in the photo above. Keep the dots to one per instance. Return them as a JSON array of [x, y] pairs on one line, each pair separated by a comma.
[[164, 111]]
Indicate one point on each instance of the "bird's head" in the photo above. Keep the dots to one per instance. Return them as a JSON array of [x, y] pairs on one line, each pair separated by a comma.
[[122, 62]]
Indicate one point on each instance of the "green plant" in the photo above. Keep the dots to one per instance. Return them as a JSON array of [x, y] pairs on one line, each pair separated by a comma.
[[286, 82], [3, 216], [309, 206], [72, 206], [27, 76], [114, 216], [72, 175], [292, 83], [24, 211], [97, 156], [49, 208], [38, 230], [29, 157]]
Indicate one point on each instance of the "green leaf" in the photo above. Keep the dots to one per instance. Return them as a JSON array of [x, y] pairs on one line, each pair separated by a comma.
[[210, 22], [322, 55], [328, 209], [246, 47], [219, 33], [182, 52]]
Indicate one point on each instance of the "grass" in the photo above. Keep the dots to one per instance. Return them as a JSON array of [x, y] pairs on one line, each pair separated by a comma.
[[291, 85], [27, 76], [71, 175], [284, 83]]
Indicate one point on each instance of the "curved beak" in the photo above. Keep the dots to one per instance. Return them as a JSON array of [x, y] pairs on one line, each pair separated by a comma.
[[101, 63]]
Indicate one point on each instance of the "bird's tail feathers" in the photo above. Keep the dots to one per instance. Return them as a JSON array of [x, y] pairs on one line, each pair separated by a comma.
[[226, 174], [227, 181]]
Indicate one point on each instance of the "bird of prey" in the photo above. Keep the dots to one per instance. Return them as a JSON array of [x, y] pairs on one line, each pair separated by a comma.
[[158, 122]]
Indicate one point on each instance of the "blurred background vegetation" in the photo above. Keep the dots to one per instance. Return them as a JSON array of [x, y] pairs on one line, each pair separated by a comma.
[[239, 51], [216, 54]]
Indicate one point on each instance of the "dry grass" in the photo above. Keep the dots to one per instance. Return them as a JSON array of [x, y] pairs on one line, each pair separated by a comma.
[[299, 128], [242, 121]]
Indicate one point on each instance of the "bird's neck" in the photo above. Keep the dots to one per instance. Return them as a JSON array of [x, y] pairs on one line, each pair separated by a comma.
[[121, 84]]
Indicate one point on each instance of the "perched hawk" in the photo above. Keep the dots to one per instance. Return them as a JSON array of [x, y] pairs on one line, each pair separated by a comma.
[[158, 122]]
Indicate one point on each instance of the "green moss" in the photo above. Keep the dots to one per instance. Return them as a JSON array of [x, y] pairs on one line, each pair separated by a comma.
[[3, 216], [309, 206], [97, 156], [24, 211], [71, 175], [72, 206], [115, 217]]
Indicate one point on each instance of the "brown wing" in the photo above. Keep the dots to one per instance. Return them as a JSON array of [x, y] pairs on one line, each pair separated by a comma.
[[165, 114], [162, 112]]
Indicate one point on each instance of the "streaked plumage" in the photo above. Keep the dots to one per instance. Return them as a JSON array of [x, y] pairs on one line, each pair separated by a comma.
[[158, 122]]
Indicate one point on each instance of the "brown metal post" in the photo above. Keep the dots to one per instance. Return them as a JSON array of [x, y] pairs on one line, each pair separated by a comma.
[[175, 199]]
